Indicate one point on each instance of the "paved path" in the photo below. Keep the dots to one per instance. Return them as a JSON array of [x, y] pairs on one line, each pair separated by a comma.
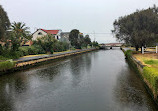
[[25, 59], [126, 48]]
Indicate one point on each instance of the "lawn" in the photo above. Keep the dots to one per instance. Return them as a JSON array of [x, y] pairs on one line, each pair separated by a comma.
[[148, 59]]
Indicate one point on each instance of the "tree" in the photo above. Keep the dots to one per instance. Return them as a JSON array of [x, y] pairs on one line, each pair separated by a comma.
[[46, 43], [4, 24], [49, 44], [138, 29], [20, 30], [74, 38], [87, 40], [95, 44], [18, 35]]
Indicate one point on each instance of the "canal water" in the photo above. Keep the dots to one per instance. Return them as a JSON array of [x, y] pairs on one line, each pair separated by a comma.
[[96, 81]]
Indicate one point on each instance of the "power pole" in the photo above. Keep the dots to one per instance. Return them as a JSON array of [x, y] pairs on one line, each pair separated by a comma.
[[94, 35]]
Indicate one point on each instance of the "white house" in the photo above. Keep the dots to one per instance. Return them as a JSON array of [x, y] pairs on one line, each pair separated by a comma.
[[42, 32]]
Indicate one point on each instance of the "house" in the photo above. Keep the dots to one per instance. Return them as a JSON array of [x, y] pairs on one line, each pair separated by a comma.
[[42, 32], [27, 43], [65, 37]]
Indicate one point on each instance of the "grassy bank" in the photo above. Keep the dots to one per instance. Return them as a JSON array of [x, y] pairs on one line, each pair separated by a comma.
[[128, 55], [150, 69], [5, 65]]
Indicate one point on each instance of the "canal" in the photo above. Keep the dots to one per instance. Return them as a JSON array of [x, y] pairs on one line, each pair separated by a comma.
[[96, 81]]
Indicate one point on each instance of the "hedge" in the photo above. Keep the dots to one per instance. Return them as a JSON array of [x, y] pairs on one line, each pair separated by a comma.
[[128, 53], [151, 75]]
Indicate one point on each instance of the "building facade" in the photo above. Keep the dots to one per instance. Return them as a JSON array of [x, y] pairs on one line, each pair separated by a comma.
[[65, 37], [42, 32]]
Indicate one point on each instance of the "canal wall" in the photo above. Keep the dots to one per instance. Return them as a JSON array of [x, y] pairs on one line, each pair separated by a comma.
[[139, 69], [30, 62]]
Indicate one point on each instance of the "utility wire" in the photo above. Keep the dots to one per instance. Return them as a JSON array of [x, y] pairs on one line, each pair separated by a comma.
[[98, 33]]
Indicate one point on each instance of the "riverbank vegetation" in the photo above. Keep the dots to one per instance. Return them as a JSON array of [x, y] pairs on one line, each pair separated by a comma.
[[150, 69], [139, 28], [78, 41], [150, 72], [4, 65]]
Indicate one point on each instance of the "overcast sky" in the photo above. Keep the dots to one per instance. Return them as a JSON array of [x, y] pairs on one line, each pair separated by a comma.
[[88, 16]]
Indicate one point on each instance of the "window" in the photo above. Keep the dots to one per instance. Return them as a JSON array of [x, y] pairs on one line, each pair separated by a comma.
[[57, 37], [39, 33]]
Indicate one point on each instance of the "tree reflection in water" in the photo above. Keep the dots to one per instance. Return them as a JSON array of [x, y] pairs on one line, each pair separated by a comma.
[[79, 65]]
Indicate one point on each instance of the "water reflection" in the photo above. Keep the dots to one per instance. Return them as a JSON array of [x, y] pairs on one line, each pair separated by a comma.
[[6, 101], [96, 81], [130, 92], [80, 65], [21, 84], [49, 73], [10, 88]]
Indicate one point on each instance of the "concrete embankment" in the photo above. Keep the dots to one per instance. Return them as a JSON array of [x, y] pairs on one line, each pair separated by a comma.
[[27, 62], [139, 68]]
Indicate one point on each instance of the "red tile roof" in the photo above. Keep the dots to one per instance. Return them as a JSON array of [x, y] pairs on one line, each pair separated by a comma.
[[51, 31]]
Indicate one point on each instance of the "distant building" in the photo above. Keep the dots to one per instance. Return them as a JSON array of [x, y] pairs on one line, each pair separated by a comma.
[[27, 43], [65, 37], [42, 32]]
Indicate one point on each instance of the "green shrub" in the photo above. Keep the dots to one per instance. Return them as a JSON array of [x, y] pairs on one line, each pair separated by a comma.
[[72, 48], [128, 53], [20, 54], [151, 75], [40, 49], [15, 55], [24, 50], [3, 58], [32, 50], [49, 44], [57, 47], [65, 46], [12, 54], [51, 51], [6, 65]]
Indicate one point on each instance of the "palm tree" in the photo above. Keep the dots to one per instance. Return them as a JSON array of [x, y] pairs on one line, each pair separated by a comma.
[[20, 30], [19, 34]]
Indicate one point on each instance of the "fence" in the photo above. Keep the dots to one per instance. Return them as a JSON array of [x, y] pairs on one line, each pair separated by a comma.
[[149, 49]]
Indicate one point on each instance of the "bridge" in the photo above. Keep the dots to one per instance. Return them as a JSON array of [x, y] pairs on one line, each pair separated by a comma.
[[110, 45]]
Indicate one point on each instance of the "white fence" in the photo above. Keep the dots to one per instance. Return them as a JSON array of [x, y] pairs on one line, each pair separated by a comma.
[[150, 50]]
